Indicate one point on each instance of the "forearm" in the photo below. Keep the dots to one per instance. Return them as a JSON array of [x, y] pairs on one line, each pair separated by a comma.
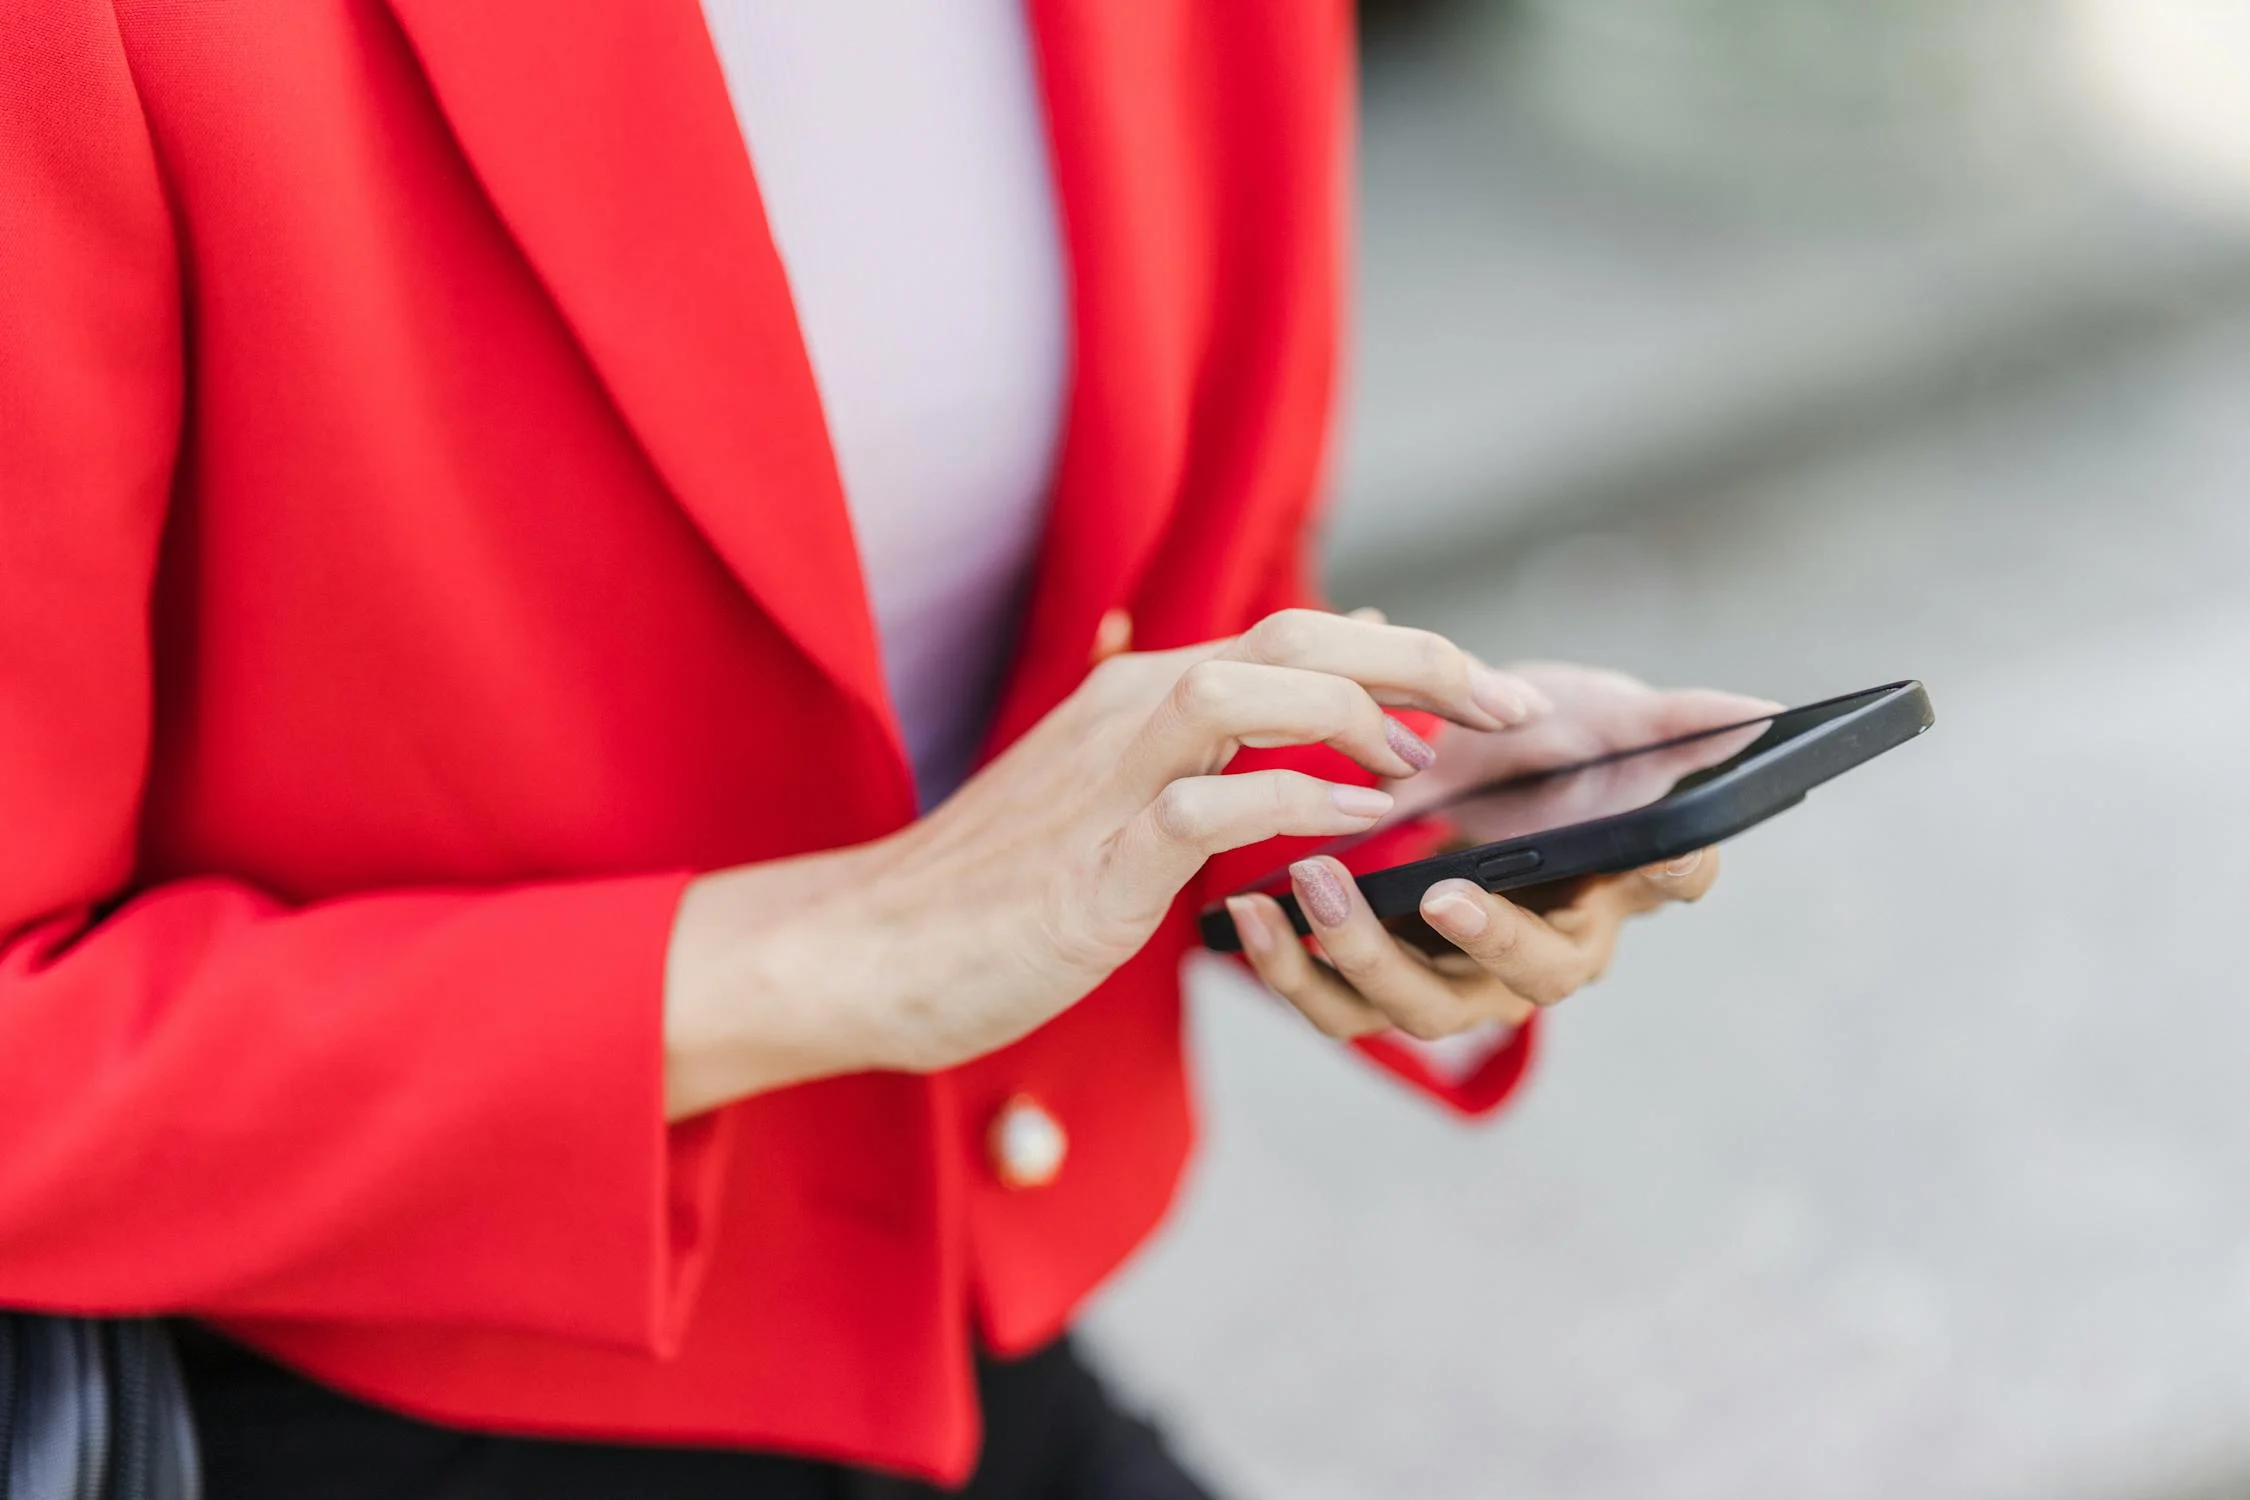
[[1054, 865], [756, 990], [877, 956]]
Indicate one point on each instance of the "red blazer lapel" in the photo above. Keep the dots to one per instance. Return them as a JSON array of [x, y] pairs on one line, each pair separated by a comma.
[[604, 136], [1135, 242], [1196, 153]]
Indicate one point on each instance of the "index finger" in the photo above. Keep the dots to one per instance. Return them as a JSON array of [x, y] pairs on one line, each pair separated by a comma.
[[1398, 666]]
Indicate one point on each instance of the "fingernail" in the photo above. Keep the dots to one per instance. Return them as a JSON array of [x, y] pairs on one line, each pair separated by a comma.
[[1360, 801], [1113, 634], [1371, 615], [1684, 865], [1506, 698], [1409, 746], [1248, 926], [1455, 913], [1321, 892]]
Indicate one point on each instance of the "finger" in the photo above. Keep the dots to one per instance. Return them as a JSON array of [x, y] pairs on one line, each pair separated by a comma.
[[1535, 957], [1481, 993], [1694, 710], [1288, 970], [1688, 878], [1219, 704], [1595, 921], [1113, 635], [1652, 886], [1193, 818], [1398, 666], [1275, 954], [1384, 973]]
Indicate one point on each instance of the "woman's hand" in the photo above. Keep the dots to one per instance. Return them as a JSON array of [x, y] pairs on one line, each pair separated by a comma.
[[1505, 961], [1595, 710], [1056, 863]]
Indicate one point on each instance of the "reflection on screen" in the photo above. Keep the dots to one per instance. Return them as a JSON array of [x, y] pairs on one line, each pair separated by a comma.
[[1616, 783], [1620, 782]]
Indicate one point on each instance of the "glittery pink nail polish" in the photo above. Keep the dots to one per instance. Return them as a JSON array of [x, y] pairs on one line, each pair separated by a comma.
[[1321, 892], [1407, 745]]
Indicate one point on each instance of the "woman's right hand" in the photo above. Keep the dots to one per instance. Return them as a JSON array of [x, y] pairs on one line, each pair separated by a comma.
[[1054, 864]]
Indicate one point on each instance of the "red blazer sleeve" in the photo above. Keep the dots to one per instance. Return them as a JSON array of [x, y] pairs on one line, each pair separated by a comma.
[[1475, 1091], [439, 1106]]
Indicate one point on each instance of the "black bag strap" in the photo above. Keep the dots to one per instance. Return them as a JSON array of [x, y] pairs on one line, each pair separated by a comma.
[[93, 1410]]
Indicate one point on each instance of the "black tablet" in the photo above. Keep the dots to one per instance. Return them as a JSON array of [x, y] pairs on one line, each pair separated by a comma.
[[1619, 811]]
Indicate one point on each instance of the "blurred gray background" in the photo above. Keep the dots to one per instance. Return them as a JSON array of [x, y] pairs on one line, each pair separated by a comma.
[[1794, 345]]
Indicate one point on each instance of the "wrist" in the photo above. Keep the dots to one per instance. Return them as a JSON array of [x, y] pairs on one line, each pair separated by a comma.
[[757, 989]]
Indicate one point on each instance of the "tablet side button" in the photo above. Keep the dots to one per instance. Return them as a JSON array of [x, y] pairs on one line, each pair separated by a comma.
[[1508, 866]]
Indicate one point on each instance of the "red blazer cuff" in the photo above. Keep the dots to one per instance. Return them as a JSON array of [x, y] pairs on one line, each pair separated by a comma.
[[693, 1174], [1474, 1094]]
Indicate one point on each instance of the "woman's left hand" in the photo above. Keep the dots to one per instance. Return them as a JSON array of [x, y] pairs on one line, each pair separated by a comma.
[[1507, 961]]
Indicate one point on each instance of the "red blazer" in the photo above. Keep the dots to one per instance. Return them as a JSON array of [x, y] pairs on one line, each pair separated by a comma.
[[420, 552]]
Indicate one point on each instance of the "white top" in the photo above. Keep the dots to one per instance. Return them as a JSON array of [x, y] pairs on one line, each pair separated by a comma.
[[902, 152]]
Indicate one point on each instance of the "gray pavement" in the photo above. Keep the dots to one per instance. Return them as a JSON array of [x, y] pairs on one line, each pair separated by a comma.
[[1540, 335], [1916, 1162]]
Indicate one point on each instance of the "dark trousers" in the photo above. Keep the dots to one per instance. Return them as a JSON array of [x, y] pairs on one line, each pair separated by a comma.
[[1051, 1433]]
